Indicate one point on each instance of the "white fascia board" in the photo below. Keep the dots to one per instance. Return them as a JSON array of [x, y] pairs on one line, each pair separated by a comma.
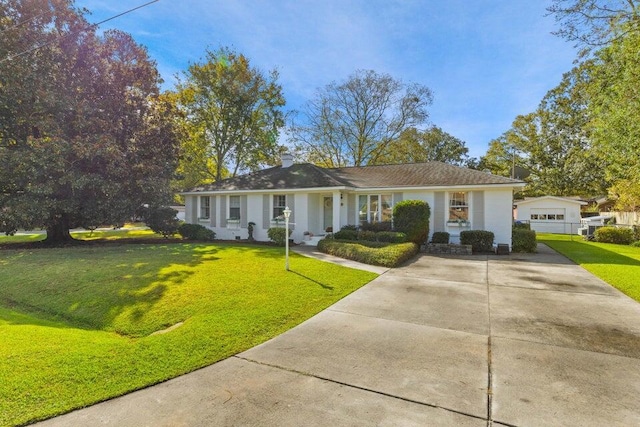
[[562, 199]]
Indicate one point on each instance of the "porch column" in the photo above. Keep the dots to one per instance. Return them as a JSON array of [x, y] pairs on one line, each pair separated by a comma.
[[336, 211]]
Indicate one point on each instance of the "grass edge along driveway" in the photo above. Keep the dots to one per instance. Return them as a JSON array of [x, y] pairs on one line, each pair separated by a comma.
[[79, 325], [618, 265]]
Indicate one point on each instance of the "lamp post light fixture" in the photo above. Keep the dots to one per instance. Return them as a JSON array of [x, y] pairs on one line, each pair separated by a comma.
[[287, 214]]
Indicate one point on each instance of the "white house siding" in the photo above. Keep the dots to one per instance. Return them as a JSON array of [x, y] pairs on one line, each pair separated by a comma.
[[498, 208], [569, 209]]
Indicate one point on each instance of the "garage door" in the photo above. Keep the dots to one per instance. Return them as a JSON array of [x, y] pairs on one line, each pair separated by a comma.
[[548, 220]]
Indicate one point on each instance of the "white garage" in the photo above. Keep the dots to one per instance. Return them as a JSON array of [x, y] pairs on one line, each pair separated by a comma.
[[550, 214]]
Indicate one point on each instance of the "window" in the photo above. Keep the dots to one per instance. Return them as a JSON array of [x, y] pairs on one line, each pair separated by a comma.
[[234, 207], [205, 207], [547, 217], [279, 203], [458, 207], [374, 208]]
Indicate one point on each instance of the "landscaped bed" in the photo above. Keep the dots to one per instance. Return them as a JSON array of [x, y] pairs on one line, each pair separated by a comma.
[[618, 265], [87, 323]]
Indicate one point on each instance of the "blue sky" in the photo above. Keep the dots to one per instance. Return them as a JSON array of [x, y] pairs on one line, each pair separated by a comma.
[[485, 60]]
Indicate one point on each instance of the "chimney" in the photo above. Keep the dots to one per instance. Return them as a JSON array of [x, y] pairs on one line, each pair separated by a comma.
[[287, 160]]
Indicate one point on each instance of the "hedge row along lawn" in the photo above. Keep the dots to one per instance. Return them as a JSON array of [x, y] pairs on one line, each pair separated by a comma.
[[80, 324], [618, 265], [373, 253]]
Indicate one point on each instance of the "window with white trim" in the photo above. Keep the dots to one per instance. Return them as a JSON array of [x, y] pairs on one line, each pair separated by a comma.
[[279, 203], [234, 207], [375, 208], [458, 206], [205, 207]]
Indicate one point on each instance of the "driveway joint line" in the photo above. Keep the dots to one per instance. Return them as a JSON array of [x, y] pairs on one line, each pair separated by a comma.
[[405, 322], [564, 346], [489, 355], [381, 393]]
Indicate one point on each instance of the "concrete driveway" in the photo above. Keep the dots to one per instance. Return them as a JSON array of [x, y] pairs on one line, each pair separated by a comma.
[[520, 340]]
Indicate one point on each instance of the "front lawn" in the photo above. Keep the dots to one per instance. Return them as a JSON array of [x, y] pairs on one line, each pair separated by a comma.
[[122, 233], [618, 265], [80, 324]]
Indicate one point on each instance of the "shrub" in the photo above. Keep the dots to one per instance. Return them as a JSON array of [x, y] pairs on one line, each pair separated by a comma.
[[636, 244], [349, 227], [523, 240], [480, 240], [636, 232], [369, 236], [391, 237], [412, 218], [278, 235], [345, 234], [376, 226], [373, 253], [162, 220], [519, 225], [620, 236], [196, 232], [440, 237]]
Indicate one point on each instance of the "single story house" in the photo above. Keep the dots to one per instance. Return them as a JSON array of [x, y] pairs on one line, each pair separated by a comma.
[[550, 214], [324, 199]]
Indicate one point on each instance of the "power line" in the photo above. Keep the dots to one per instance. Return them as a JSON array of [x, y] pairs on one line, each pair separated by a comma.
[[57, 39]]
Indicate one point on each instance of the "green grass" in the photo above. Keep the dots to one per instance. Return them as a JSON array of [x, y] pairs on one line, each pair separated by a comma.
[[122, 233], [618, 265], [77, 322]]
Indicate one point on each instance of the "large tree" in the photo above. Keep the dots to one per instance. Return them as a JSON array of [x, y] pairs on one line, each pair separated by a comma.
[[432, 144], [592, 24], [233, 114], [84, 137], [355, 121]]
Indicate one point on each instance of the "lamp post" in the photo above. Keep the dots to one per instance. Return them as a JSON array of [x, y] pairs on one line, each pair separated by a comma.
[[287, 214]]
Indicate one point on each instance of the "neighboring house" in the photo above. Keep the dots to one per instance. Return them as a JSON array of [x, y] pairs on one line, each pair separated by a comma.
[[328, 198], [550, 214]]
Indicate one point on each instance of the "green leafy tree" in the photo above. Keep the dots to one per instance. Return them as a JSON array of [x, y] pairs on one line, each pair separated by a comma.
[[354, 122], [595, 23], [232, 115], [432, 144], [84, 137]]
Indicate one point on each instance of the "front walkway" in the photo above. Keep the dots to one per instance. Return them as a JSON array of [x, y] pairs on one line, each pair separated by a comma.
[[520, 340]]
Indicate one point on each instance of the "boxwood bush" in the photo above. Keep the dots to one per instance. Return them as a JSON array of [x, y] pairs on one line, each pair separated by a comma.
[[196, 232], [391, 237], [523, 240], [412, 218], [480, 240], [345, 234], [277, 235], [369, 236], [440, 237], [373, 253], [621, 236], [521, 225], [162, 220]]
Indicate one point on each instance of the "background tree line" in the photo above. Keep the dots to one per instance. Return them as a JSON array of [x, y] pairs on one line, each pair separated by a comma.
[[584, 137]]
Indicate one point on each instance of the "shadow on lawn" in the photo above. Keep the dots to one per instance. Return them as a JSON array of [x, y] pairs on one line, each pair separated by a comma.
[[312, 280], [105, 284]]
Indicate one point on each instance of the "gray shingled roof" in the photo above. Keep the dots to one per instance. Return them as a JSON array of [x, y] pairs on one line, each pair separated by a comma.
[[427, 174], [306, 175]]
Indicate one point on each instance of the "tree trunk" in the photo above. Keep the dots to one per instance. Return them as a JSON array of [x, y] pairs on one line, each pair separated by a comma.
[[58, 231]]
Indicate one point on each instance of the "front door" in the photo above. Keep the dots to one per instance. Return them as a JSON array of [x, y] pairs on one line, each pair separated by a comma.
[[327, 203]]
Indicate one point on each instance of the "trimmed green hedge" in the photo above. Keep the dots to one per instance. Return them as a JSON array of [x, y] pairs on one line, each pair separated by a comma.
[[620, 236], [523, 240], [480, 240], [196, 232], [412, 218], [370, 236], [277, 235], [440, 237], [373, 253]]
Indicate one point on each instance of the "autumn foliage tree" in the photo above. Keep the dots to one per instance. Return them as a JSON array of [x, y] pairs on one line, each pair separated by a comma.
[[85, 138], [232, 115]]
